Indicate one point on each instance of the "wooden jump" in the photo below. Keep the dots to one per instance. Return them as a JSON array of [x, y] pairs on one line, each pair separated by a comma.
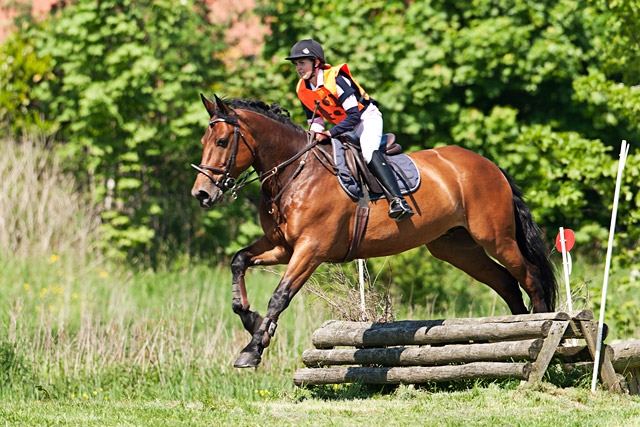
[[626, 361], [413, 352]]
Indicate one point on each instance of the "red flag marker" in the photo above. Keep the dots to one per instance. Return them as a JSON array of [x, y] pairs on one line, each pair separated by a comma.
[[569, 240]]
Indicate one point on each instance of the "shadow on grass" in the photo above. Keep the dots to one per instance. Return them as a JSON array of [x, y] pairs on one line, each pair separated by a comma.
[[352, 391]]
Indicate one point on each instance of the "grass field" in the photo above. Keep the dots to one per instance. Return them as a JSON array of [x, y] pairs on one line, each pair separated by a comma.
[[490, 406], [94, 347]]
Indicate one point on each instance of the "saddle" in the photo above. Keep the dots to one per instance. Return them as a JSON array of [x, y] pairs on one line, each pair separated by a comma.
[[360, 184], [356, 164], [354, 175]]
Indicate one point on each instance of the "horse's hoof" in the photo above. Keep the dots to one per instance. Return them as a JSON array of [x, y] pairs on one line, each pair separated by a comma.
[[247, 360]]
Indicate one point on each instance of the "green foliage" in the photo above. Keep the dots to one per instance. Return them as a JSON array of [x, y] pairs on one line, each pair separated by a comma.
[[14, 370], [124, 91], [21, 68], [79, 329], [623, 308], [425, 287]]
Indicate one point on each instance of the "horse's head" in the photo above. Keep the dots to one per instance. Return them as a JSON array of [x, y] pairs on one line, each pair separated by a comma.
[[226, 153]]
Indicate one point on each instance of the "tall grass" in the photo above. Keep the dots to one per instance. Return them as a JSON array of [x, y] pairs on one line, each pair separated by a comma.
[[40, 211], [170, 335]]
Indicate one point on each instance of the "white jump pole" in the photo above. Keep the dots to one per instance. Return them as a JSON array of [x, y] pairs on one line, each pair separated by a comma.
[[566, 263], [363, 306], [624, 150]]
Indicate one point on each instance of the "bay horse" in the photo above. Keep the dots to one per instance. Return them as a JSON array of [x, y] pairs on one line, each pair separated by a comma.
[[468, 212]]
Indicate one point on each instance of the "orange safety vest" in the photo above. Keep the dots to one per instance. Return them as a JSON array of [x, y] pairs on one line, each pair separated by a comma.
[[329, 106]]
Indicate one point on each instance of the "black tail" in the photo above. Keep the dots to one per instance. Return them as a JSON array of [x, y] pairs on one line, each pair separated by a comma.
[[528, 236]]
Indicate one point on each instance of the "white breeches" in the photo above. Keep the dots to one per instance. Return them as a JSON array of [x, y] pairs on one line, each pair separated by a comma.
[[370, 131]]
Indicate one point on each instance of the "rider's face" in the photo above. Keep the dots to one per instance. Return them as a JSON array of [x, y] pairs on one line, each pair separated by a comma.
[[304, 67]]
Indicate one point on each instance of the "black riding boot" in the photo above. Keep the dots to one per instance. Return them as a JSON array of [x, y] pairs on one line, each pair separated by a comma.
[[398, 207]]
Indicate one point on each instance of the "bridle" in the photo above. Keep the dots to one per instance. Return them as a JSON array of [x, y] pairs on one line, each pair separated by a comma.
[[227, 182]]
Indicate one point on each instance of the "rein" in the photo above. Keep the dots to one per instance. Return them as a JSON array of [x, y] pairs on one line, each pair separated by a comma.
[[275, 170], [228, 182]]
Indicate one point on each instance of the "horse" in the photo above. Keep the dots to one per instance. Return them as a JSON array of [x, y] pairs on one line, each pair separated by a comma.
[[468, 212]]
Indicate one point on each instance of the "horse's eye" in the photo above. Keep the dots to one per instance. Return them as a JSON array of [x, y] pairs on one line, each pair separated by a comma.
[[222, 142]]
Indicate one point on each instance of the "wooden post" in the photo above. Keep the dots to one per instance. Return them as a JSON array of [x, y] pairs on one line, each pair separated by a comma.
[[548, 350], [607, 373]]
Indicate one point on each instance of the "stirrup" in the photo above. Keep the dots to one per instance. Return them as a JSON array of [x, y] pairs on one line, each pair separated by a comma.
[[399, 209]]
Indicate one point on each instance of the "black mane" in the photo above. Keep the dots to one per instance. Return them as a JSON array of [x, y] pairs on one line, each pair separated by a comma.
[[273, 111]]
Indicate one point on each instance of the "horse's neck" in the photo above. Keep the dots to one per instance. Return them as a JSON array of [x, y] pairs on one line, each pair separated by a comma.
[[276, 151], [276, 145]]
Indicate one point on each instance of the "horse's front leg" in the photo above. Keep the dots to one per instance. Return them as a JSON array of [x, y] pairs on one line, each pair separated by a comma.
[[262, 252], [298, 271]]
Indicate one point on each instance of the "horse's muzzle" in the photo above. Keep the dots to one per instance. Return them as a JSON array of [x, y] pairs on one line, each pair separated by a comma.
[[206, 200]]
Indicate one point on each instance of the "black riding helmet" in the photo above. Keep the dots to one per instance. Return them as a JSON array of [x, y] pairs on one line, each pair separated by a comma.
[[307, 48]]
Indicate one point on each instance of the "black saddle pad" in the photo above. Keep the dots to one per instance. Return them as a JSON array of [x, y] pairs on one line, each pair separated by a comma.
[[404, 168]]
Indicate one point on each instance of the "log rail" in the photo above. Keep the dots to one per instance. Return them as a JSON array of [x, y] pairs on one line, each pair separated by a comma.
[[420, 351]]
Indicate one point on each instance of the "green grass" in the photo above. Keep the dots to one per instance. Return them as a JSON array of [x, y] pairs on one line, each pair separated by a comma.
[[107, 348], [487, 406]]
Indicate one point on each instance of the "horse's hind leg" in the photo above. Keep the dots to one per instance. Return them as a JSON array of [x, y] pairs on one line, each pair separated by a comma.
[[460, 250]]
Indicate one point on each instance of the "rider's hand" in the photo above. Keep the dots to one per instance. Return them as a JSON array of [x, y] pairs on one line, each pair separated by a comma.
[[323, 136]]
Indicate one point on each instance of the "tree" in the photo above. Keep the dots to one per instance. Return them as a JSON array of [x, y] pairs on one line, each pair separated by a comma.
[[22, 68]]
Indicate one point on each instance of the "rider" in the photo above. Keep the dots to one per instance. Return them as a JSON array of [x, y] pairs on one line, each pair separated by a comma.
[[338, 98]]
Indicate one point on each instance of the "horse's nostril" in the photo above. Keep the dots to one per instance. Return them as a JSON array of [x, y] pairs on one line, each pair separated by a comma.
[[202, 195]]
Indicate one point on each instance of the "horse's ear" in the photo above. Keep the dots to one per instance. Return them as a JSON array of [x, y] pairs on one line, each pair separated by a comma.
[[221, 107], [210, 106]]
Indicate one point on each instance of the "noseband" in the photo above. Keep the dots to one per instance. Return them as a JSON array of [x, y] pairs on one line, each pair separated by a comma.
[[227, 182]]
